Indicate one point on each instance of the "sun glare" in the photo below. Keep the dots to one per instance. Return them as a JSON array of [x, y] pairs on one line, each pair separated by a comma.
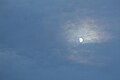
[[86, 31], [81, 40]]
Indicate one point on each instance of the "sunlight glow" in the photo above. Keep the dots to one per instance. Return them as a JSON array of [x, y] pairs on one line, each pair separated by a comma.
[[87, 31], [81, 40]]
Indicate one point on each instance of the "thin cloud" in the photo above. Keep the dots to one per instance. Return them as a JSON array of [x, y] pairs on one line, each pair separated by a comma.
[[87, 57], [92, 33], [87, 29]]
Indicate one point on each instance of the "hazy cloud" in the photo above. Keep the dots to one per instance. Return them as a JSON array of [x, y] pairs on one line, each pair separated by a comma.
[[92, 33]]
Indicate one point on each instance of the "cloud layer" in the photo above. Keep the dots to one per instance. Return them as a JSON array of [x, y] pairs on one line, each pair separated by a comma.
[[92, 33], [87, 29]]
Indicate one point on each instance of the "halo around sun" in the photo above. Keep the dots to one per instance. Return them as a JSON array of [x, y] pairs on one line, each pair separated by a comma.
[[84, 31], [77, 35]]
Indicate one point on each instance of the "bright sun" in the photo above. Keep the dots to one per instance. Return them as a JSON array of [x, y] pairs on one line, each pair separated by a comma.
[[81, 40]]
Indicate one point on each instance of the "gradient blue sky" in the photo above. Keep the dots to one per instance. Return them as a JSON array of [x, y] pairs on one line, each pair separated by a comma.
[[33, 44]]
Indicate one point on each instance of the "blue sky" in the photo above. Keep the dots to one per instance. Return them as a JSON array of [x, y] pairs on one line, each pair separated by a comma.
[[39, 40]]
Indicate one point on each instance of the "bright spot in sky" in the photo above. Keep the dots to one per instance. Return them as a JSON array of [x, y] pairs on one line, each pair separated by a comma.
[[86, 31], [81, 40], [89, 29]]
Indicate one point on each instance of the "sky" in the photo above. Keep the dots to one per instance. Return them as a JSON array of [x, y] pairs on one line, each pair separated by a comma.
[[59, 40]]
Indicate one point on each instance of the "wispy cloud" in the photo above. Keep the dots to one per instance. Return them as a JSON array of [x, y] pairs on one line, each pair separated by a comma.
[[91, 32], [88, 29], [87, 57]]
